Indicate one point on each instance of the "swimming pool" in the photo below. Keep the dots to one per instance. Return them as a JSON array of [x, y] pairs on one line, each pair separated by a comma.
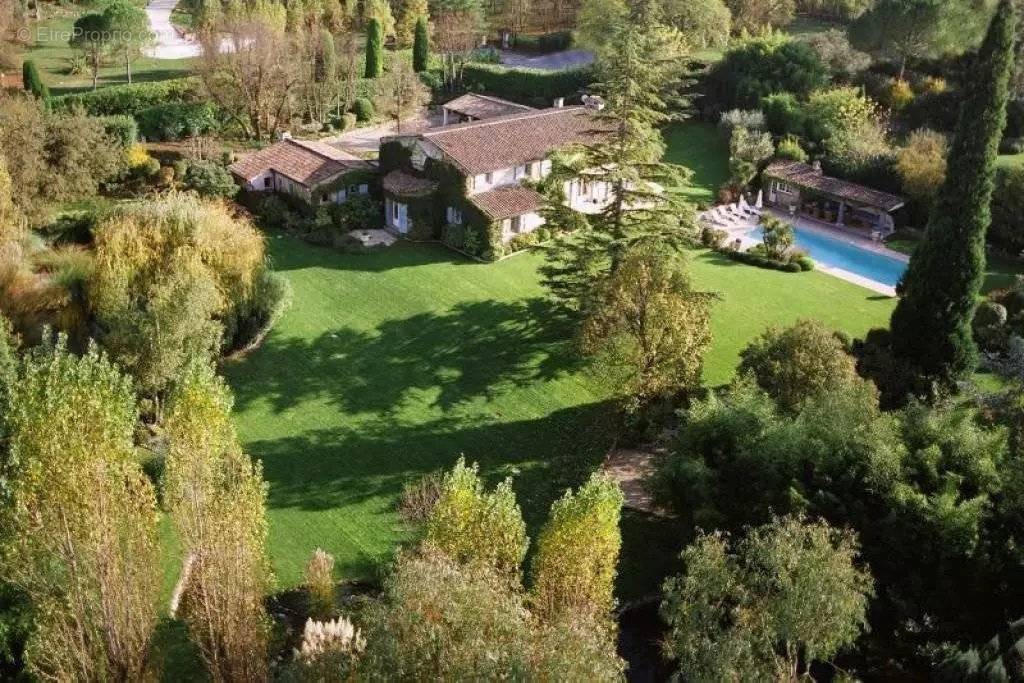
[[837, 253]]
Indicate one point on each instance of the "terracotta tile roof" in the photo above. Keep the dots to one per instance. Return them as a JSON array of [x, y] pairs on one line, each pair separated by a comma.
[[506, 202], [484, 106], [512, 140], [811, 178], [402, 183], [307, 162]]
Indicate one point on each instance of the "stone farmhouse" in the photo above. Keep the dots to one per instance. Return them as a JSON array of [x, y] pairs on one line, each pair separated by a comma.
[[469, 184]]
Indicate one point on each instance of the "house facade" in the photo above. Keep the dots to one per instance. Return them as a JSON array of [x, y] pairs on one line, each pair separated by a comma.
[[313, 173], [470, 184]]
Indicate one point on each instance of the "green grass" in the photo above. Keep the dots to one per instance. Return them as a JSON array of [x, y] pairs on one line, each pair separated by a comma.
[[1008, 160], [753, 299], [389, 366], [52, 53], [703, 149]]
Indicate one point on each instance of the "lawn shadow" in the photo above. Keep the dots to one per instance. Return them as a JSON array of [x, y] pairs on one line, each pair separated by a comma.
[[476, 349], [328, 468]]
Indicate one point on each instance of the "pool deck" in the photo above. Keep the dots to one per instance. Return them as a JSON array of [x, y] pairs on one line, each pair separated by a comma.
[[740, 230]]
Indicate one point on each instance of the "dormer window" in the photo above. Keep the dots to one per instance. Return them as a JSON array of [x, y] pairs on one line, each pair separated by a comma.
[[488, 178], [519, 172]]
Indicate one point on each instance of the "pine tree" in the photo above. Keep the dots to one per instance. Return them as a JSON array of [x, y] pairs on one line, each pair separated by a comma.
[[374, 49], [638, 81], [33, 82], [931, 326], [421, 46]]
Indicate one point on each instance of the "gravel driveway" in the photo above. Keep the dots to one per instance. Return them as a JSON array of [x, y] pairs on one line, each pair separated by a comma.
[[169, 43]]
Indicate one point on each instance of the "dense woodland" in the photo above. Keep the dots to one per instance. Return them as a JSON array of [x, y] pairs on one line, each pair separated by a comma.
[[846, 507]]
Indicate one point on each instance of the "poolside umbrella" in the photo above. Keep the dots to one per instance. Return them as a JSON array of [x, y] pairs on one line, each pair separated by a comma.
[[759, 204]]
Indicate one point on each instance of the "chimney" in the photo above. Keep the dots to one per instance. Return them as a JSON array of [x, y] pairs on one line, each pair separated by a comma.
[[559, 102], [817, 166], [593, 102], [285, 135]]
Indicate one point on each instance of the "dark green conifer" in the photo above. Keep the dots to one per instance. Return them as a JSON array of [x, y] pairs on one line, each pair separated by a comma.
[[374, 49], [420, 46], [931, 326], [33, 82]]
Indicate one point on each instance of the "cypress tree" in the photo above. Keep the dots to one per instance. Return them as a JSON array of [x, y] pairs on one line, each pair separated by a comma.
[[374, 49], [420, 46], [32, 81], [931, 326]]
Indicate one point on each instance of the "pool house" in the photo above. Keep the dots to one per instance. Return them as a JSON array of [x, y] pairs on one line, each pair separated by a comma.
[[804, 190]]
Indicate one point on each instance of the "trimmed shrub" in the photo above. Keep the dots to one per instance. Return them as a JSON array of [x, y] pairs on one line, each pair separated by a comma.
[[531, 86], [122, 128], [130, 99], [177, 120], [363, 109], [32, 81], [752, 258], [210, 179]]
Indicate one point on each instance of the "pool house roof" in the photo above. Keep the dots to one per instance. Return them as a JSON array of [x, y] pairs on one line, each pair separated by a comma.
[[811, 178]]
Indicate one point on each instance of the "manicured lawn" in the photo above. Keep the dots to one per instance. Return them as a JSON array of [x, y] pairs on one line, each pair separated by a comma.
[[703, 149], [51, 54], [389, 366], [753, 299]]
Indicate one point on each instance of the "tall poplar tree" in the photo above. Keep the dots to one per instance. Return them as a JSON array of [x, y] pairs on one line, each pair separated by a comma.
[[216, 496], [931, 326], [80, 539]]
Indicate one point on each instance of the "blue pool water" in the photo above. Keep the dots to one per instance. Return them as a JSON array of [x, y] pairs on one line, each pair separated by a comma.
[[831, 251]]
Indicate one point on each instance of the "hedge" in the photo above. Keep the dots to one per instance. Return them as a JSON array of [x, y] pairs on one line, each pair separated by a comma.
[[555, 41], [530, 86], [130, 99], [177, 120], [765, 262]]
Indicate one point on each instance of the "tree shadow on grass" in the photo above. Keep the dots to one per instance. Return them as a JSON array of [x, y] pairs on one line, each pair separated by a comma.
[[328, 468], [358, 474], [474, 350]]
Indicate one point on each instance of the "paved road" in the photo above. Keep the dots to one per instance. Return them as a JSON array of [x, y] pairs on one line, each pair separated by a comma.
[[169, 43], [556, 61]]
